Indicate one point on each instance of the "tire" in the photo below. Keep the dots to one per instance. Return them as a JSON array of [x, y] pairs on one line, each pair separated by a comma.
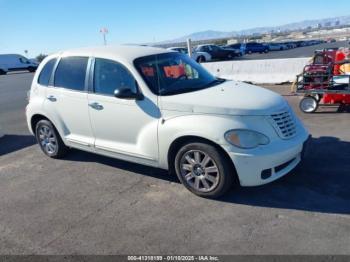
[[2, 72], [49, 140], [201, 59], [31, 69], [229, 57], [250, 52], [211, 179], [308, 104], [266, 51], [342, 108]]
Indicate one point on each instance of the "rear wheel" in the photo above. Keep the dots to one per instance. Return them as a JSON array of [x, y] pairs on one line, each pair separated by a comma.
[[308, 104], [202, 170], [49, 140]]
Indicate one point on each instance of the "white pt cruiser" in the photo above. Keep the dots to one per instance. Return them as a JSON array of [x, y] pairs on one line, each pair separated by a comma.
[[160, 108]]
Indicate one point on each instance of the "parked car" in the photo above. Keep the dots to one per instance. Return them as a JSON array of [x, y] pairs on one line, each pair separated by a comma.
[[14, 62], [162, 109], [290, 45], [197, 56], [240, 47], [277, 47], [331, 40], [253, 47], [298, 43], [218, 52]]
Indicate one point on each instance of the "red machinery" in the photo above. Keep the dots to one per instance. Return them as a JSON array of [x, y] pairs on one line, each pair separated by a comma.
[[325, 81]]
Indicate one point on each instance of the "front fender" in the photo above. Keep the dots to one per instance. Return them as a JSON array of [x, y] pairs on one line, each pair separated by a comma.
[[210, 127]]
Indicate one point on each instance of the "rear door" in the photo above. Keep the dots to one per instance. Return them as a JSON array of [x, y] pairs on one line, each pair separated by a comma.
[[66, 101]]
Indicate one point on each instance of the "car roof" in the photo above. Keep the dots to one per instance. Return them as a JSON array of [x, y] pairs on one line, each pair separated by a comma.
[[11, 55], [121, 52], [176, 47], [205, 45]]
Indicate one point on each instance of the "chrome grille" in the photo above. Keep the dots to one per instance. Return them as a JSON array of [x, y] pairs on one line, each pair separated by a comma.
[[284, 124]]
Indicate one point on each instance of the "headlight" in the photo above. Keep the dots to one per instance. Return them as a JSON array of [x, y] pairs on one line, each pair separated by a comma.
[[247, 139]]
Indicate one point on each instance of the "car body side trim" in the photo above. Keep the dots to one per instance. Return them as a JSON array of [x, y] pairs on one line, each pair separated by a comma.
[[124, 153]]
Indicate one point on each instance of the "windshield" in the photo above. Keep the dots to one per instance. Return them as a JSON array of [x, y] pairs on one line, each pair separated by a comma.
[[174, 73]]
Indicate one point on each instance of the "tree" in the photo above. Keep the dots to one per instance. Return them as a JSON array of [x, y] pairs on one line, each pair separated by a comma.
[[40, 57]]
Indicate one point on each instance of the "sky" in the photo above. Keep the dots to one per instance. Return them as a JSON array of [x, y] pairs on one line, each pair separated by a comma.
[[46, 26]]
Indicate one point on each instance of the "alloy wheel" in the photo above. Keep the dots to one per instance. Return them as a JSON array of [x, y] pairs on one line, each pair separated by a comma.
[[199, 171], [47, 139]]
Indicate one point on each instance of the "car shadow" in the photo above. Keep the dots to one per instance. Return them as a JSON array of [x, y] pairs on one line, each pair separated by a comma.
[[321, 183], [12, 143], [82, 156]]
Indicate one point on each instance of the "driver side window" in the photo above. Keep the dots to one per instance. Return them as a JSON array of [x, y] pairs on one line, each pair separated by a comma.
[[110, 76], [214, 48], [23, 60]]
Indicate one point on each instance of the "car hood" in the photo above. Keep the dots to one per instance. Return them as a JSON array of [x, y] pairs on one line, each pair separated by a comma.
[[228, 98]]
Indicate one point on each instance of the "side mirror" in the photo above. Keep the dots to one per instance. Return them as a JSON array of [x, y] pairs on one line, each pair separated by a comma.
[[126, 93]]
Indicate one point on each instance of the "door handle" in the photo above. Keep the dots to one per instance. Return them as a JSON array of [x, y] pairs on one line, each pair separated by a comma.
[[52, 98], [96, 106]]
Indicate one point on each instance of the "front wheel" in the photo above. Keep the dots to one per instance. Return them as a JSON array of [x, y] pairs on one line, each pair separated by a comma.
[[203, 170], [2, 72], [49, 140], [31, 69], [308, 104]]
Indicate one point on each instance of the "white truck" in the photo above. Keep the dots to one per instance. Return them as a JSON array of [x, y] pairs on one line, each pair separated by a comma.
[[15, 62]]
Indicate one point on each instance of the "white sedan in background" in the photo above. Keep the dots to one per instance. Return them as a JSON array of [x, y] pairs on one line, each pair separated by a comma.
[[277, 47], [198, 56]]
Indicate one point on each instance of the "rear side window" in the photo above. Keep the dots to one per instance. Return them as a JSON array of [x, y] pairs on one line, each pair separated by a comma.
[[46, 72], [110, 75], [70, 73]]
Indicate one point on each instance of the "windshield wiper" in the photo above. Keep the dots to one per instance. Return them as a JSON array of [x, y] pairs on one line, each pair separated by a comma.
[[215, 82]]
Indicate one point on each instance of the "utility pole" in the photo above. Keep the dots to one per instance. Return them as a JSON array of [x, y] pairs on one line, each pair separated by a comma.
[[104, 32], [189, 47]]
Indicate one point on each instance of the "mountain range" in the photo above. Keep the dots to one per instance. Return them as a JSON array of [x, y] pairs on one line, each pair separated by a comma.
[[212, 34]]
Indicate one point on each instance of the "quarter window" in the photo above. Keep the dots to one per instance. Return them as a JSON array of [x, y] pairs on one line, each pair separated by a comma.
[[110, 76], [46, 72], [71, 72]]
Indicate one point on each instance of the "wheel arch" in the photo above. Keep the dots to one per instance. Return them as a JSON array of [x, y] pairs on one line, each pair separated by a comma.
[[35, 119], [183, 140]]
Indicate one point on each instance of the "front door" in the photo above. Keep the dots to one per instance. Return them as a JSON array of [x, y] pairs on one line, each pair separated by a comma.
[[125, 128]]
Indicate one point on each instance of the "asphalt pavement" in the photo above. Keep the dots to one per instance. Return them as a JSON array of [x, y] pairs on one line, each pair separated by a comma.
[[89, 204]]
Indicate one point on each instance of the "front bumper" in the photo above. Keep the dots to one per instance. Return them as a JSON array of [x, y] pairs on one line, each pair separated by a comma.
[[268, 163]]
